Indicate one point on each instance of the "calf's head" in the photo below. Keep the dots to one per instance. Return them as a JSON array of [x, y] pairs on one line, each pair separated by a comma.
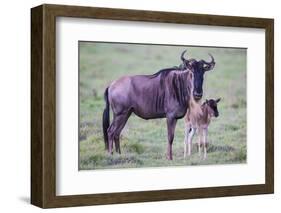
[[198, 69], [212, 107]]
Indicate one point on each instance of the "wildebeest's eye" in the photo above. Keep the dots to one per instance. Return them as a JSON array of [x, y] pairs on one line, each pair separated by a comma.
[[205, 66]]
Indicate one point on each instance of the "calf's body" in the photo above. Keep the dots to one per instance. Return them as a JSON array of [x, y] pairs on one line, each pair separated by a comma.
[[199, 121]]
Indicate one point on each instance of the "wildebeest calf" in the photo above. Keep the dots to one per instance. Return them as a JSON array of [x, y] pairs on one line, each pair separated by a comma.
[[199, 121]]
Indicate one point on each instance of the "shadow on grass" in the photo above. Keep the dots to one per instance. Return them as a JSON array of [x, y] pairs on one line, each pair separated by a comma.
[[124, 160], [217, 148]]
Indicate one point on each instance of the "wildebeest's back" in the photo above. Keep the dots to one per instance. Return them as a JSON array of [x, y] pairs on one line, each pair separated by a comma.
[[140, 94], [151, 96]]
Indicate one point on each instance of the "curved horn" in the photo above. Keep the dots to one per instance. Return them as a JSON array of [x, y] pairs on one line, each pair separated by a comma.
[[213, 60], [182, 56], [209, 65]]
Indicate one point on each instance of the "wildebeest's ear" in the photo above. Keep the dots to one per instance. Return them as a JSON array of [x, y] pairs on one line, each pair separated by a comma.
[[189, 66], [218, 100]]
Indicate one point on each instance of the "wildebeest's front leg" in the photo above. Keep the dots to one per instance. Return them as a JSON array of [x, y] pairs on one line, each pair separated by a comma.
[[171, 125]]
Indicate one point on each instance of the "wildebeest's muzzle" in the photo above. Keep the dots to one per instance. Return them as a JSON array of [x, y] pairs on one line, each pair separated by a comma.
[[197, 96]]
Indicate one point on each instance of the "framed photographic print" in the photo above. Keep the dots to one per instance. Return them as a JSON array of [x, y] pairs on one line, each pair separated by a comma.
[[136, 106]]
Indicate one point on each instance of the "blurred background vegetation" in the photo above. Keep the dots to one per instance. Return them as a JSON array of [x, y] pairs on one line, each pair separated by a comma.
[[144, 142]]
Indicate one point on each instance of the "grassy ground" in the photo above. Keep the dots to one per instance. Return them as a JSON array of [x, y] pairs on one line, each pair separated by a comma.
[[143, 143]]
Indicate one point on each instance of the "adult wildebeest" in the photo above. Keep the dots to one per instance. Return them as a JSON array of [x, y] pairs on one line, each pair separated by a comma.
[[165, 94]]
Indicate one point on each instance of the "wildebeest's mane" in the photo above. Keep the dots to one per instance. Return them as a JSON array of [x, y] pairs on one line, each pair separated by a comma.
[[165, 72]]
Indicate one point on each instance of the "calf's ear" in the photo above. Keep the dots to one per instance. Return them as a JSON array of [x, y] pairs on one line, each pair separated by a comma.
[[218, 100]]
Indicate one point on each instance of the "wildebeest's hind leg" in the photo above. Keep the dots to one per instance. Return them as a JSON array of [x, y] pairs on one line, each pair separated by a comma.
[[171, 125], [110, 134], [115, 129], [117, 144], [123, 120]]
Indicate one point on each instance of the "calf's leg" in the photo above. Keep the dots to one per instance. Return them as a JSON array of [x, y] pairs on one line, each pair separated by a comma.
[[205, 133], [191, 132], [186, 134], [199, 141]]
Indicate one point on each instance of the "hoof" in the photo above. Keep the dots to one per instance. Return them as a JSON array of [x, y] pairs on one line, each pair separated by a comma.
[[169, 157]]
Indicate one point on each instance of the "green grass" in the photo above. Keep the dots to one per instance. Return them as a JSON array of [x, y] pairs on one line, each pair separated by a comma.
[[144, 142]]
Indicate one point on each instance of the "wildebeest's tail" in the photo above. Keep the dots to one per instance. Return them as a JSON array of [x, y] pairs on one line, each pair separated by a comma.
[[106, 118]]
